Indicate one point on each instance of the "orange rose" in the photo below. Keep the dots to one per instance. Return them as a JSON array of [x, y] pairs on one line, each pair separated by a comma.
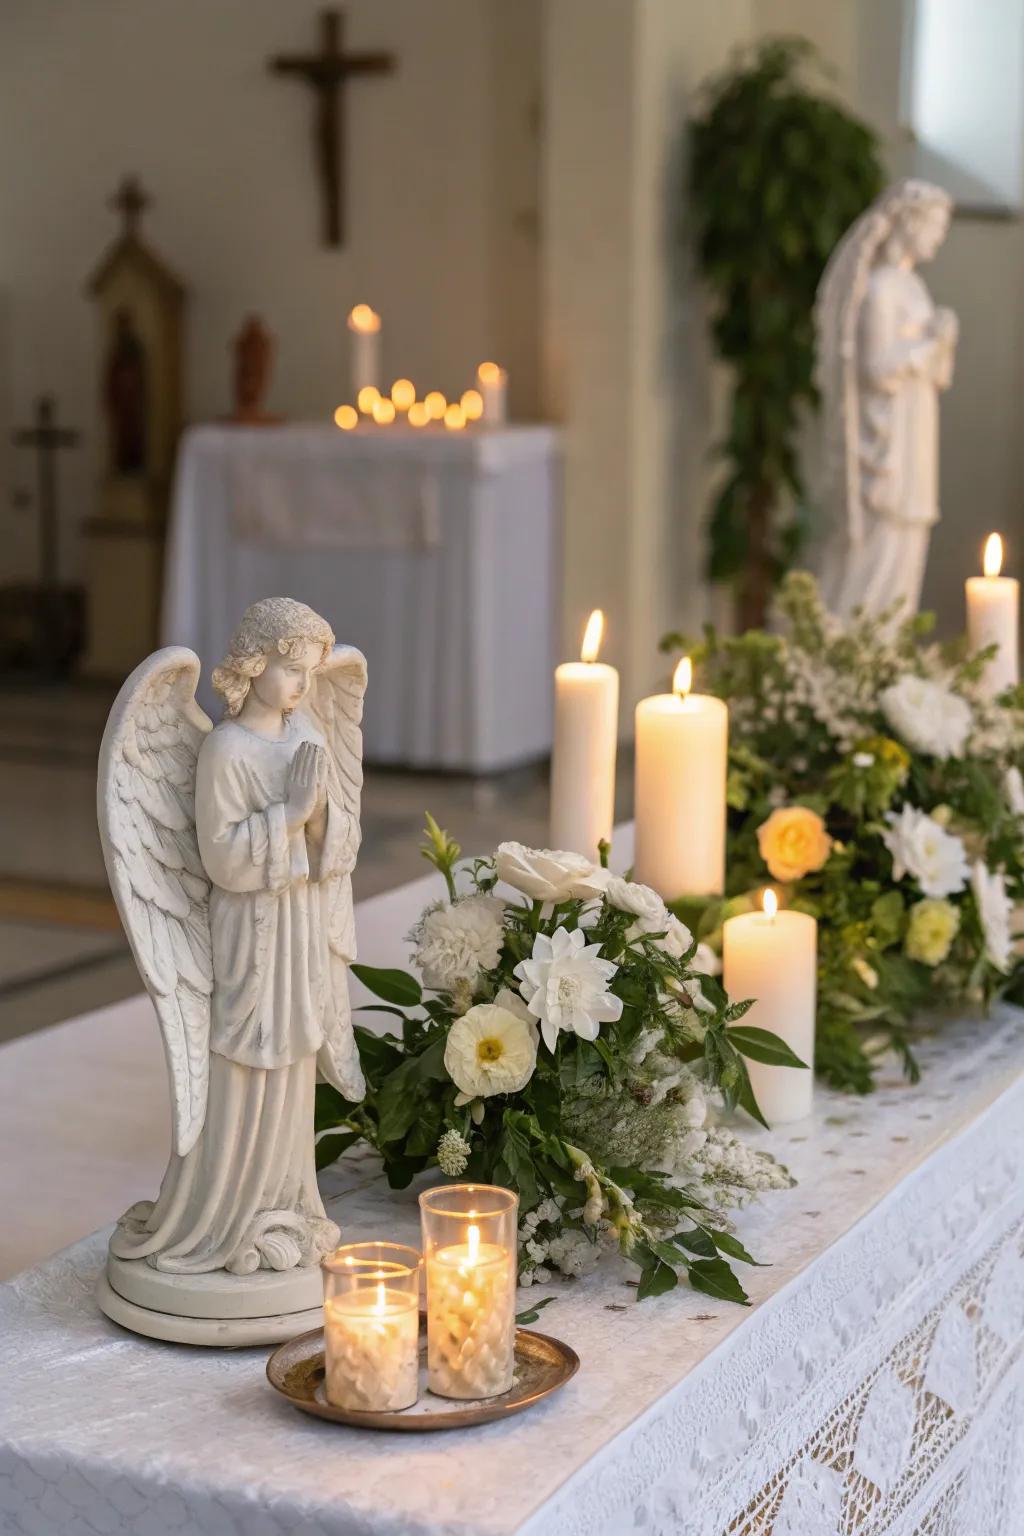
[[793, 842]]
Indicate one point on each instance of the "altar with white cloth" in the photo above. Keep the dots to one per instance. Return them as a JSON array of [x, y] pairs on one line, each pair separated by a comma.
[[435, 552], [875, 1386]]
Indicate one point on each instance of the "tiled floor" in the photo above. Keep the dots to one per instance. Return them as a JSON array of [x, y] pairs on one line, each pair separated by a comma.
[[61, 949]]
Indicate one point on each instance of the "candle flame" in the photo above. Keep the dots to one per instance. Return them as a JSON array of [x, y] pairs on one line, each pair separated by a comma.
[[472, 404], [346, 418], [455, 418], [363, 318], [488, 373], [436, 405], [473, 1243], [418, 414], [367, 398], [592, 636], [383, 412], [381, 1303], [769, 902], [992, 563], [682, 679], [403, 394]]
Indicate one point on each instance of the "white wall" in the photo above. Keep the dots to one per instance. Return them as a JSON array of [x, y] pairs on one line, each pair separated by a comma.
[[442, 175]]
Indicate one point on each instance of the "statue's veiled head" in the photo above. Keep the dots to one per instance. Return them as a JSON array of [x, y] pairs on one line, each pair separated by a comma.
[[276, 649]]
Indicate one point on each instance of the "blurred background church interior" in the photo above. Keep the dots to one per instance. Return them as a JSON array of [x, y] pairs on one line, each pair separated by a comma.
[[502, 181]]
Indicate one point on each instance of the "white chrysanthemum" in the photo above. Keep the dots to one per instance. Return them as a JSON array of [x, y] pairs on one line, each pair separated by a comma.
[[452, 1154], [548, 874], [565, 985], [1013, 789], [995, 909], [928, 716], [454, 943], [921, 848], [490, 1050]]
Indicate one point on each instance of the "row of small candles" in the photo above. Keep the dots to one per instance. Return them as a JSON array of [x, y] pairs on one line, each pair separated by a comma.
[[486, 403], [372, 1305], [681, 769]]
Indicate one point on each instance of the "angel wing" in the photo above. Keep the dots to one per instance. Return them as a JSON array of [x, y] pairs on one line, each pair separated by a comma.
[[335, 704], [146, 810]]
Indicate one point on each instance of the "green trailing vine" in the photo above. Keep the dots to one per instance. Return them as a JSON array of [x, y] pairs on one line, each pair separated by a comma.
[[776, 176]]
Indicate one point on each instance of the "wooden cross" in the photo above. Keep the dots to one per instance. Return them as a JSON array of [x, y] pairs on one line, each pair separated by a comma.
[[327, 72], [46, 438]]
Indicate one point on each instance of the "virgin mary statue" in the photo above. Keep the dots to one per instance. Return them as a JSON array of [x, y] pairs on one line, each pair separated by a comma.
[[884, 353]]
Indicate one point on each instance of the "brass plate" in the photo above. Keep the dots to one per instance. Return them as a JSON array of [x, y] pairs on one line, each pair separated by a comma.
[[543, 1364]]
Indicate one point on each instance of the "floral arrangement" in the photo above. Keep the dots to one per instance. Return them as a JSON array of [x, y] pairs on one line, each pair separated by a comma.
[[567, 1043], [873, 780]]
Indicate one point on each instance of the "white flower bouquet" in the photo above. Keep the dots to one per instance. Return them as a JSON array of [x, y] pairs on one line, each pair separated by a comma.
[[566, 1042], [874, 779]]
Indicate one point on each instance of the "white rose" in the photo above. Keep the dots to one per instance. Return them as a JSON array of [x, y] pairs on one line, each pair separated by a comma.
[[921, 848], [928, 716], [706, 961], [1013, 788], [490, 1050], [455, 943], [547, 874], [995, 909], [678, 939], [647, 905]]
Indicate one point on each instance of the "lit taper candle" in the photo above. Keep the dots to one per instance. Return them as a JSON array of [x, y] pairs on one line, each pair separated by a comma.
[[364, 326], [583, 757]]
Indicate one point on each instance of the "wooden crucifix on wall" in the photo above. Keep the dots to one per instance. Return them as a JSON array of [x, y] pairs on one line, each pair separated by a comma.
[[327, 72]]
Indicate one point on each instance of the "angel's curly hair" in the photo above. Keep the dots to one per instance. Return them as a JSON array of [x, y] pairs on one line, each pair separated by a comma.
[[273, 624]]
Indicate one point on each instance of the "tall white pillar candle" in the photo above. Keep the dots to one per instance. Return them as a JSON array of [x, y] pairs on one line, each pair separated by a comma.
[[364, 326], [682, 741], [772, 957], [583, 756], [493, 385], [993, 606]]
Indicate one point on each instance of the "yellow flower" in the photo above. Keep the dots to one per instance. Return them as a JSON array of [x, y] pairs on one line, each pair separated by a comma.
[[933, 927], [793, 842]]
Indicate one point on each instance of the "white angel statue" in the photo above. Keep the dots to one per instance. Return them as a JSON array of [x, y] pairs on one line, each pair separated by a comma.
[[230, 852], [884, 353]]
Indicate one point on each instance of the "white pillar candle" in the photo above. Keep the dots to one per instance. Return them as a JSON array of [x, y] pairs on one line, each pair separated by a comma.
[[364, 325], [993, 606], [371, 1349], [772, 957], [471, 1323], [493, 386], [583, 756], [682, 742]]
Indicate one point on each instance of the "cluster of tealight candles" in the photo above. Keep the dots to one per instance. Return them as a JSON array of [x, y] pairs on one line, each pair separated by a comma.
[[372, 1305], [680, 779], [486, 403]]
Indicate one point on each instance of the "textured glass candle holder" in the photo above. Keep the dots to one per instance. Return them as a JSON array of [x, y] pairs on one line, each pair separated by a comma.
[[371, 1326], [469, 1246]]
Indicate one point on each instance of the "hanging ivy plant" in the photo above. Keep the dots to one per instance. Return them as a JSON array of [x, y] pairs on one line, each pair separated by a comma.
[[777, 174]]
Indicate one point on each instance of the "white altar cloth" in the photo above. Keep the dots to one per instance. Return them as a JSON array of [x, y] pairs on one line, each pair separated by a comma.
[[875, 1386], [435, 552]]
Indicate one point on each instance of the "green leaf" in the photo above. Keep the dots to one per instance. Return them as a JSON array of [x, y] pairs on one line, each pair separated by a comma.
[[656, 1277], [533, 1312], [715, 1278], [393, 986], [732, 1246], [696, 1241], [332, 1144], [761, 1045]]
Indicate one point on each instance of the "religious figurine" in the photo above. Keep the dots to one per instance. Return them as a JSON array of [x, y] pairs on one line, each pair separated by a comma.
[[125, 398], [230, 853], [254, 351], [884, 353]]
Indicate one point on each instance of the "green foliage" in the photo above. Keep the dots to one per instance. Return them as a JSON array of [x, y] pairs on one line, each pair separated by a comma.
[[777, 175]]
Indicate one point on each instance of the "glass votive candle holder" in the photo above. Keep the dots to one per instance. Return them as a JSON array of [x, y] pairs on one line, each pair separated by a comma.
[[469, 1248], [372, 1326]]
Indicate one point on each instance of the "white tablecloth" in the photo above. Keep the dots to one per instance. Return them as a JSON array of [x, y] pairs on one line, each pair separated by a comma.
[[435, 552], [875, 1386]]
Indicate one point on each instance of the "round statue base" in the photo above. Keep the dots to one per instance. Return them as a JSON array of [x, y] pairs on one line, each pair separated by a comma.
[[218, 1309]]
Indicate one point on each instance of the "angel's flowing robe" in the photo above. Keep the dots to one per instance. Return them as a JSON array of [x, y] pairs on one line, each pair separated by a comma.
[[902, 363], [281, 921]]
